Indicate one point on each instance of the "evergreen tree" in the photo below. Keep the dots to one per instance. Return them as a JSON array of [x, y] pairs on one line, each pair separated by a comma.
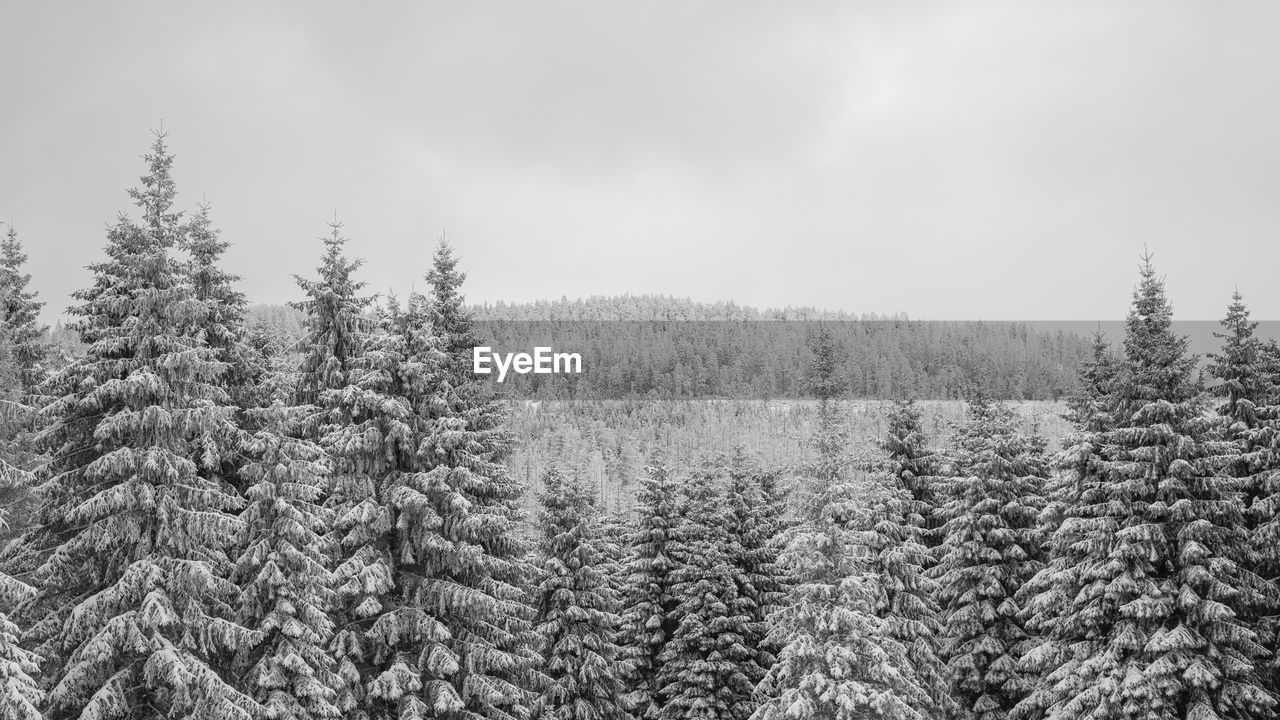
[[482, 566], [577, 622], [753, 525], [372, 388], [838, 659], [19, 692], [1238, 367], [649, 620], [901, 509], [1142, 614], [335, 320], [20, 312], [134, 601], [223, 327], [449, 316], [989, 553], [912, 465], [1264, 512], [283, 572], [1251, 423], [708, 666]]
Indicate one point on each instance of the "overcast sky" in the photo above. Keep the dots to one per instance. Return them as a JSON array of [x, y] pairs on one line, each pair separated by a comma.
[[994, 160]]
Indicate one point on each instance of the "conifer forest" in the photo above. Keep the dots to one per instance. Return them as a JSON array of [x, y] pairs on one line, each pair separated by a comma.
[[214, 509]]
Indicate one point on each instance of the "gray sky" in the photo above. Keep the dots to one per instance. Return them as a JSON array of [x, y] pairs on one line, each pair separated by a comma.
[[995, 160]]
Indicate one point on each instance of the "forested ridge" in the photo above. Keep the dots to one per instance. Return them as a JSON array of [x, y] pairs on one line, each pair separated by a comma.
[[206, 519], [662, 347]]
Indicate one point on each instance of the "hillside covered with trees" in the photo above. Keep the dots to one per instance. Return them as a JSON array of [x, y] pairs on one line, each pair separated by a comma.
[[670, 348]]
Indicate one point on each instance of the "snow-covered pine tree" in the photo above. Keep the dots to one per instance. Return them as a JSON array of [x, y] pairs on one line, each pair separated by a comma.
[[223, 326], [649, 618], [901, 508], [577, 605], [1089, 411], [707, 667], [395, 604], [1142, 616], [355, 375], [480, 570], [334, 319], [449, 316], [23, 351], [1251, 423], [913, 464], [838, 659], [19, 693], [20, 312], [753, 524], [1264, 513], [989, 552], [1240, 368], [1075, 464], [286, 584], [134, 599]]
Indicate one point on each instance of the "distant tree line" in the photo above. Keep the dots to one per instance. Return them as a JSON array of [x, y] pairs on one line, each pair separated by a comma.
[[650, 346]]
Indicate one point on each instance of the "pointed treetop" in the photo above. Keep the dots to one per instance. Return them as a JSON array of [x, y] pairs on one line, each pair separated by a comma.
[[158, 191], [1149, 338]]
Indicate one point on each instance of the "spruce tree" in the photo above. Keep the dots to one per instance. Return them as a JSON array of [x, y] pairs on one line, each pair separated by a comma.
[[283, 573], [753, 525], [913, 466], [20, 313], [334, 319], [19, 692], [577, 606], [649, 619], [901, 510], [1250, 423], [135, 602], [838, 659], [449, 316], [223, 327], [1237, 366], [989, 552], [482, 563], [1141, 617], [1264, 512], [708, 666]]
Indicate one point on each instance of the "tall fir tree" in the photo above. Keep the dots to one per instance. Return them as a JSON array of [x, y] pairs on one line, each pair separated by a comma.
[[223, 327], [913, 465], [577, 624], [135, 604], [482, 565], [449, 316], [20, 313], [1250, 422], [708, 667], [838, 659], [902, 509], [20, 694], [284, 575], [335, 320], [649, 619], [989, 552], [1264, 512], [753, 524], [1141, 616]]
